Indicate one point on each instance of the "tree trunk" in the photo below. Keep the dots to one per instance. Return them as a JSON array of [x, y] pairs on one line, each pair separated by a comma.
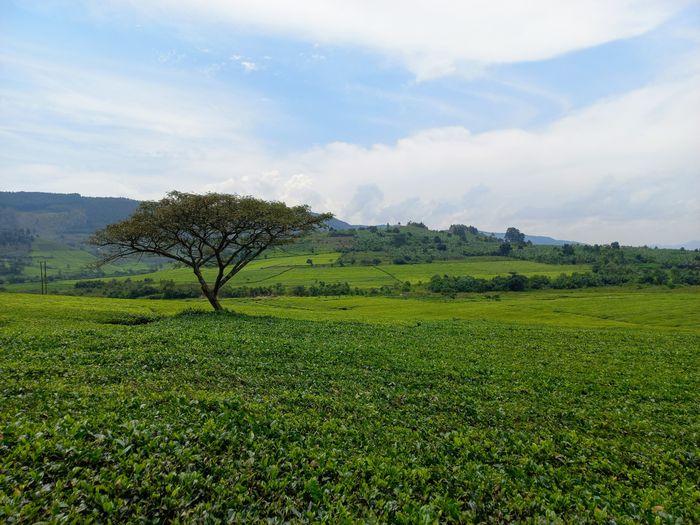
[[213, 299]]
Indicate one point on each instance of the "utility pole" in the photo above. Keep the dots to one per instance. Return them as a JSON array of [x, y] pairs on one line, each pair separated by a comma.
[[44, 280]]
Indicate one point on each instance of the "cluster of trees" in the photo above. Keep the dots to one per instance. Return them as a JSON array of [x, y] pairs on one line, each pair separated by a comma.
[[315, 290], [11, 269], [462, 231], [15, 244], [128, 289], [448, 284], [16, 237], [167, 289], [514, 236], [322, 288], [612, 253], [319, 289]]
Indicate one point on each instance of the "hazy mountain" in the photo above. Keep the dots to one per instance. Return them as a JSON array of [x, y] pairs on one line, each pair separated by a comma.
[[690, 245], [51, 214], [537, 239], [337, 224], [57, 214]]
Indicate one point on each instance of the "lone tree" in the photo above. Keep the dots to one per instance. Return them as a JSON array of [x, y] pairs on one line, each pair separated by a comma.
[[216, 230], [514, 236]]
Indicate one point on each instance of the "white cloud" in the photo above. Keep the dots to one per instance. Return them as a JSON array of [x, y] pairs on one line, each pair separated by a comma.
[[432, 38], [100, 98], [99, 132], [247, 64], [624, 168]]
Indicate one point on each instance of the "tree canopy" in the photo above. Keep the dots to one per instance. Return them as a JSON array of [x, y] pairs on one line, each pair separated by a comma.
[[514, 236], [216, 230]]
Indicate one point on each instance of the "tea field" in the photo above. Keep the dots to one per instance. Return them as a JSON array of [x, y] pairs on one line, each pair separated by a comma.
[[294, 270], [547, 407]]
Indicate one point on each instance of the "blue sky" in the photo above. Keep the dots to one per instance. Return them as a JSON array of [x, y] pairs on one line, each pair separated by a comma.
[[576, 120]]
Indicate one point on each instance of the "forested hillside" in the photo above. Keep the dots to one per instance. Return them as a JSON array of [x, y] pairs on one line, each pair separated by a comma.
[[56, 214]]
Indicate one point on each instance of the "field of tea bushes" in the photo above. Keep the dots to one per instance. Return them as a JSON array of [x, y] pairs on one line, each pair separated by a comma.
[[152, 411]]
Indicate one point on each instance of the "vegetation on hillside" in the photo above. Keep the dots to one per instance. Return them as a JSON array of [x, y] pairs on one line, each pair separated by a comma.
[[386, 259], [57, 215]]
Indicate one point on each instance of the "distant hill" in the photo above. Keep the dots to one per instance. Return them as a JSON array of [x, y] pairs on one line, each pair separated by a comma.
[[690, 245], [537, 239], [51, 214], [58, 214], [337, 224]]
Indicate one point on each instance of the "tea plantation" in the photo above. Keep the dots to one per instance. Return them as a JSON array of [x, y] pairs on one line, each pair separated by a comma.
[[294, 270], [492, 411]]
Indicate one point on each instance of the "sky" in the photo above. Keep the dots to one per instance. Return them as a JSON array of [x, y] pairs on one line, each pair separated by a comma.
[[577, 119]]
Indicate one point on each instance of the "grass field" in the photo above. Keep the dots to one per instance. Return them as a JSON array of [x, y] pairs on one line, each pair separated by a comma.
[[538, 407], [293, 270]]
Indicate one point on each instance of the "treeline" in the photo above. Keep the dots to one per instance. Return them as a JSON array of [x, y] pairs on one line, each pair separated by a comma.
[[15, 244], [314, 290], [128, 289], [445, 284], [597, 254], [16, 237], [167, 289], [11, 267], [515, 282]]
